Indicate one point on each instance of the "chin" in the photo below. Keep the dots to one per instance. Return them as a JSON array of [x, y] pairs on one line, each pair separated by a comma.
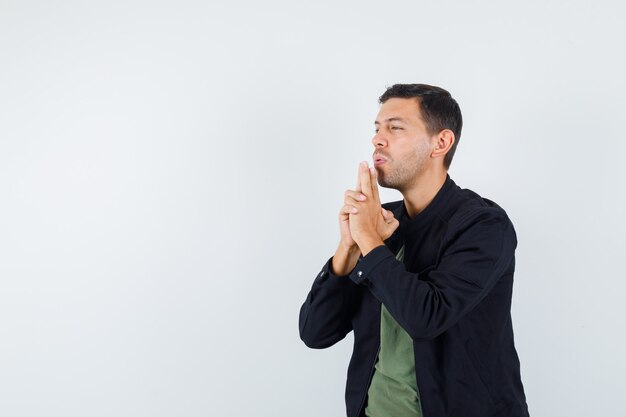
[[381, 181]]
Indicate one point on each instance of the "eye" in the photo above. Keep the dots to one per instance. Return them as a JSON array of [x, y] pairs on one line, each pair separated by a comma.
[[396, 128]]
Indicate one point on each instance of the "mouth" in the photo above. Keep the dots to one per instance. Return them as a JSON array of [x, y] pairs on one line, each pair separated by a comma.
[[379, 160]]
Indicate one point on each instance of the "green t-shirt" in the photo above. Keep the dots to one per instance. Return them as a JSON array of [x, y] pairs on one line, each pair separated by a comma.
[[393, 391]]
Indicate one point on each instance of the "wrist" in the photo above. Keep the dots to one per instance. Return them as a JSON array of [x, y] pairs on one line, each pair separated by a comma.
[[345, 259], [348, 248], [368, 243]]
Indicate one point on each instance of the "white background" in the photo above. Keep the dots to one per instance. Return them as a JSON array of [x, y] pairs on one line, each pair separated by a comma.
[[171, 174]]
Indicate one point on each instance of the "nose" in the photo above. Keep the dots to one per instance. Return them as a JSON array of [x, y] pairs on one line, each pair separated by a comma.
[[379, 140]]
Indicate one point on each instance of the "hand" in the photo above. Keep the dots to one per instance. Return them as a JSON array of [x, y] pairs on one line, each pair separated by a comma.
[[348, 252], [385, 226], [369, 224], [389, 223]]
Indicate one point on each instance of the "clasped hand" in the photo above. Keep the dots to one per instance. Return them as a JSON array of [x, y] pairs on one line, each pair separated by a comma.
[[363, 222]]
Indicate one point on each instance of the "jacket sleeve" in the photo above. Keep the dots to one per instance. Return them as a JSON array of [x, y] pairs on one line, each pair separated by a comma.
[[325, 316], [477, 251]]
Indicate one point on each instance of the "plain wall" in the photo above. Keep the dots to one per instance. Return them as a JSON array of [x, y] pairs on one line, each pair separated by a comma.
[[171, 174]]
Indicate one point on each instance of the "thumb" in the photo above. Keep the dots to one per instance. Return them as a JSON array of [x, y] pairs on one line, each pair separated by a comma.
[[388, 215], [392, 221]]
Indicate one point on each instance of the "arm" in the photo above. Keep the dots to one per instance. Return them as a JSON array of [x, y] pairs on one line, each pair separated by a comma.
[[427, 304], [325, 316]]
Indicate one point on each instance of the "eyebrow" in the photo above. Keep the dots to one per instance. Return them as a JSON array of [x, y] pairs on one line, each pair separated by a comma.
[[392, 119]]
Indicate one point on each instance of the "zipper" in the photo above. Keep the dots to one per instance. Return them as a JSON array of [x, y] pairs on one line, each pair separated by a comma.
[[369, 380]]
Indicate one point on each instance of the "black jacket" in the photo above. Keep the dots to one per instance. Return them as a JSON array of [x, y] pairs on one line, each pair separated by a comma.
[[452, 294]]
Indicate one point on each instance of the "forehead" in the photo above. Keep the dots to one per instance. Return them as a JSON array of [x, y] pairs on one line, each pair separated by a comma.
[[407, 109]]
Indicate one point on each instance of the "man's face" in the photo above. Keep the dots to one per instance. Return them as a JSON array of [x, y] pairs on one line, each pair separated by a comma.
[[402, 145]]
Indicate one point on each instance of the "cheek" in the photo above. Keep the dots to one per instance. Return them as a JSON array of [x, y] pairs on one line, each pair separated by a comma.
[[423, 147]]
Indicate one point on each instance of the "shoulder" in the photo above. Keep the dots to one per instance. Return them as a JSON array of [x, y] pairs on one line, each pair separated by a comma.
[[474, 212]]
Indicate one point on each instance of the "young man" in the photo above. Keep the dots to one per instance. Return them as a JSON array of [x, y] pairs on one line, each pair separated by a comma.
[[425, 283]]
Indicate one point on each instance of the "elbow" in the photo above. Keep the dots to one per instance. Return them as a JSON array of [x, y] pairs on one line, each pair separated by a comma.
[[315, 341], [319, 337], [319, 331], [309, 336]]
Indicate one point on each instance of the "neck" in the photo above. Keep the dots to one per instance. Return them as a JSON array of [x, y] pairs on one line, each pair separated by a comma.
[[423, 190]]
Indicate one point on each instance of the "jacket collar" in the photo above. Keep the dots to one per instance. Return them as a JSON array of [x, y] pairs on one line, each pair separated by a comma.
[[420, 220]]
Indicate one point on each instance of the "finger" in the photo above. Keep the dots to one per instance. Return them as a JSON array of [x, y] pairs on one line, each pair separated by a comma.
[[373, 176], [387, 214], [350, 196], [358, 180], [348, 209], [364, 175]]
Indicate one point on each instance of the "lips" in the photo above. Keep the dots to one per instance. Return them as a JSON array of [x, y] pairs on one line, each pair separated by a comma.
[[379, 160]]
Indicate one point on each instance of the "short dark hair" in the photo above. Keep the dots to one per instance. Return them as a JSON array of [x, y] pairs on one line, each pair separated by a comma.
[[439, 110]]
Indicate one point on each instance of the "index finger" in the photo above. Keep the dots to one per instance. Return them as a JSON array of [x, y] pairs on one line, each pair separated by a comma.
[[374, 176], [364, 176]]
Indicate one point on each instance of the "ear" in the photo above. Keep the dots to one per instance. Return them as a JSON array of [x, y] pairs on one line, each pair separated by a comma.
[[443, 143]]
